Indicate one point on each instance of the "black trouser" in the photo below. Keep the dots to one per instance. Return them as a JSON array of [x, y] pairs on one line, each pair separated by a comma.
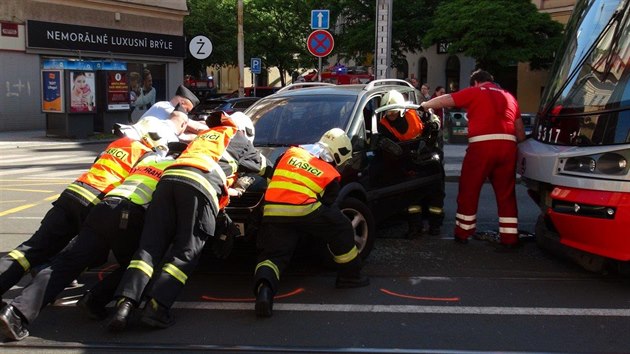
[[278, 241], [105, 228], [58, 227], [181, 216], [433, 203]]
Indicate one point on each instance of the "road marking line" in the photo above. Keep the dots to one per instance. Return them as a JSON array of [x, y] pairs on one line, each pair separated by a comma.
[[410, 309], [26, 206], [26, 190], [47, 159]]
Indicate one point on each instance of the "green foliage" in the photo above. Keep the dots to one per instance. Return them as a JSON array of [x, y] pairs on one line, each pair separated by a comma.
[[496, 32], [357, 20], [216, 20]]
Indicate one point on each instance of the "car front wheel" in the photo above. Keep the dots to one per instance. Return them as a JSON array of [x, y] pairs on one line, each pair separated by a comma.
[[363, 223]]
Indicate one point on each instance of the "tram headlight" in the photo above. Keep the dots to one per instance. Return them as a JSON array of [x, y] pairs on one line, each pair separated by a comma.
[[584, 164], [609, 163], [612, 163]]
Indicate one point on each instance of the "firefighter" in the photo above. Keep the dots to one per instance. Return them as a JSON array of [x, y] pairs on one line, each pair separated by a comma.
[[404, 125], [182, 215], [63, 221], [494, 128], [300, 200], [113, 224]]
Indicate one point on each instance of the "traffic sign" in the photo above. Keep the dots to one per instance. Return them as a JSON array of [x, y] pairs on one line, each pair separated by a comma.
[[320, 43], [255, 66], [200, 47], [319, 19]]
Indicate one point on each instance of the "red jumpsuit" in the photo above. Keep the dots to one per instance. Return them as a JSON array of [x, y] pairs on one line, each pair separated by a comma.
[[491, 154]]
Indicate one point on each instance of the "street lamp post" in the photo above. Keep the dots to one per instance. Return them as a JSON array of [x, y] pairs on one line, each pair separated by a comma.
[[241, 50]]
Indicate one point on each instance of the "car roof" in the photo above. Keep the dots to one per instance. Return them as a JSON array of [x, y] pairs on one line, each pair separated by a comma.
[[300, 89]]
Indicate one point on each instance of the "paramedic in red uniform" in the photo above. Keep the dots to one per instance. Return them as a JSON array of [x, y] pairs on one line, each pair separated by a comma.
[[494, 128]]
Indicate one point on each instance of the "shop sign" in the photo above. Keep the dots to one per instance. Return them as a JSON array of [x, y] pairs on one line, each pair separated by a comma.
[[9, 29], [50, 35]]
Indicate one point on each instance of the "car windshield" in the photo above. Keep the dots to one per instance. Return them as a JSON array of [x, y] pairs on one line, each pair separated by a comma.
[[294, 120]]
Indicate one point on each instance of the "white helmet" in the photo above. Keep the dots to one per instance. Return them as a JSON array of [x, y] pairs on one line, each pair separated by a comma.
[[244, 124], [338, 145], [393, 97]]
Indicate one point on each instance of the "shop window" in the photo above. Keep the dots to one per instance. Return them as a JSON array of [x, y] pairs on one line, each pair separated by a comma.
[[147, 83]]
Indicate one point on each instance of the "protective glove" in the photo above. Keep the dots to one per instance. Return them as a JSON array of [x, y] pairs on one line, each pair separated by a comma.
[[223, 241], [242, 183], [434, 121]]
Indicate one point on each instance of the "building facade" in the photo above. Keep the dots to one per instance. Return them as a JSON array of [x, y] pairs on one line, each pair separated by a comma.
[[74, 67], [437, 68]]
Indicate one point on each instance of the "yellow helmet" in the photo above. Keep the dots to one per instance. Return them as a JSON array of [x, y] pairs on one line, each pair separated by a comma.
[[338, 145]]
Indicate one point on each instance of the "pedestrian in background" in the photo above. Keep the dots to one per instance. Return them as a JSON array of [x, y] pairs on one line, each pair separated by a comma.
[[424, 92], [494, 128]]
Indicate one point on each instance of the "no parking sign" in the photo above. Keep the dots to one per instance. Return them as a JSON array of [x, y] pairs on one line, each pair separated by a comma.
[[320, 43]]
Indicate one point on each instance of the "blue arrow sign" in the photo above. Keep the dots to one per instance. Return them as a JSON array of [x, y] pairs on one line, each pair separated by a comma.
[[320, 19], [256, 65]]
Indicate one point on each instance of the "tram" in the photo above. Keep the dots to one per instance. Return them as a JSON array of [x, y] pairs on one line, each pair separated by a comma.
[[576, 163]]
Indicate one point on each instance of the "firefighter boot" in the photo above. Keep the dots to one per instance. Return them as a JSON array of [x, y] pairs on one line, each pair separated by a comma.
[[91, 308], [264, 300], [350, 276], [12, 325], [156, 315], [124, 307]]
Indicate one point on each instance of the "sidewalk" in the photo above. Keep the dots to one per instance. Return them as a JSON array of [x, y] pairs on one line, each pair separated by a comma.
[[453, 153], [30, 138]]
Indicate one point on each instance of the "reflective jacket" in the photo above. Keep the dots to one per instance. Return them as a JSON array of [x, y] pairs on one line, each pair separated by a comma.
[[198, 164], [108, 172], [414, 126], [297, 184], [141, 183]]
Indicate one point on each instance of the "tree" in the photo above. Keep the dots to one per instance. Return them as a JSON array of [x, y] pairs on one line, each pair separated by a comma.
[[497, 33], [216, 20], [356, 21], [276, 31]]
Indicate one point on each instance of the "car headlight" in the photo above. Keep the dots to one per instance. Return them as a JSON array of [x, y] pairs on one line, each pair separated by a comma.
[[609, 163]]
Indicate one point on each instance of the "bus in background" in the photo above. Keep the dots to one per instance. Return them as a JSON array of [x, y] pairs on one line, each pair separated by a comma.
[[576, 163]]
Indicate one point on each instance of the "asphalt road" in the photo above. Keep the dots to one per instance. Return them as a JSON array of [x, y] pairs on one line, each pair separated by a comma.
[[427, 295]]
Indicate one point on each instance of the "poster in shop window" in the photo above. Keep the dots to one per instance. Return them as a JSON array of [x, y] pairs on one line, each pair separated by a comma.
[[82, 92], [52, 88], [117, 91]]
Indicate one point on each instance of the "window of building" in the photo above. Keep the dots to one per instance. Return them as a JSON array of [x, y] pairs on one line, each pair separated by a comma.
[[423, 67], [452, 74]]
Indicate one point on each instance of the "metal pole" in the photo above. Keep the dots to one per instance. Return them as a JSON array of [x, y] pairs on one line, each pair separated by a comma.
[[319, 70], [383, 48], [254, 94], [240, 50]]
